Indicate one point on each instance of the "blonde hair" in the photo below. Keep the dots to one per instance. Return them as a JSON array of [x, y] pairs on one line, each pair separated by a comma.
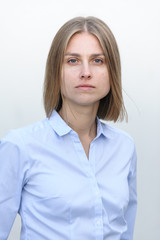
[[111, 107]]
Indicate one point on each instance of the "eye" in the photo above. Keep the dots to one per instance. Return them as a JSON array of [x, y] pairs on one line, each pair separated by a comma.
[[98, 60], [72, 61]]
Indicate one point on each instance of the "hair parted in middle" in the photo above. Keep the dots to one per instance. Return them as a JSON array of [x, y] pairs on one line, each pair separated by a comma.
[[111, 107]]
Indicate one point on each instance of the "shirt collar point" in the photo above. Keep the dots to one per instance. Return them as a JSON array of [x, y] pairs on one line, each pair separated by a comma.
[[103, 128], [58, 124]]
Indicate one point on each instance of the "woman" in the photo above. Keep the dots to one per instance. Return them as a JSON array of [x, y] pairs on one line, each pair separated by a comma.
[[71, 176]]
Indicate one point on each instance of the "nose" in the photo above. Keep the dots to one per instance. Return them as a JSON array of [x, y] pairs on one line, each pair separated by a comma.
[[85, 73]]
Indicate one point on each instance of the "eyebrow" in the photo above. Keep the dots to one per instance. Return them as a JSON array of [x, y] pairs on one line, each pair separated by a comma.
[[78, 55]]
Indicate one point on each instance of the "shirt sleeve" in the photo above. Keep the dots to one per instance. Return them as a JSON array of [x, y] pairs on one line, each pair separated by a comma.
[[132, 205], [11, 182]]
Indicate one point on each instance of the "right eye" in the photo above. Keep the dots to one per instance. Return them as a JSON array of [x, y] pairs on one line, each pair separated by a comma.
[[72, 60]]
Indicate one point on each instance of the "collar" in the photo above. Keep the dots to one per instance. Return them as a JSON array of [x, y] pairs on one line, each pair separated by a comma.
[[103, 129], [58, 124], [61, 127]]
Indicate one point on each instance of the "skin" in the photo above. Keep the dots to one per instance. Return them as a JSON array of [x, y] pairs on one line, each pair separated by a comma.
[[85, 80]]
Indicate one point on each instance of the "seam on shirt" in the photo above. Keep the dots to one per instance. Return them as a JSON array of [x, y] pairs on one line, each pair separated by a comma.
[[25, 226]]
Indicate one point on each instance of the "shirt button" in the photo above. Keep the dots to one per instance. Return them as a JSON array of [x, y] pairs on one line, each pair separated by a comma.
[[98, 222], [97, 193]]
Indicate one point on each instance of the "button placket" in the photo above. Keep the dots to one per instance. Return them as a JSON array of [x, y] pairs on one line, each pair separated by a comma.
[[89, 168], [97, 195]]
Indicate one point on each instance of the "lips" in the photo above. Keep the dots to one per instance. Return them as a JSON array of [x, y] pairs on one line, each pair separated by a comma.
[[85, 86]]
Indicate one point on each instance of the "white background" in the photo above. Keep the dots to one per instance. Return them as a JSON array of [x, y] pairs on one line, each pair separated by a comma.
[[26, 31]]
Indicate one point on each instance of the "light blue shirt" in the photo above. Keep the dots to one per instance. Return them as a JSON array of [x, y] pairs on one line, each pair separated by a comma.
[[46, 177]]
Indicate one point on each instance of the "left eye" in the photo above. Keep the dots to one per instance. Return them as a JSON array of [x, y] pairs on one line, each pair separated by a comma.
[[97, 60]]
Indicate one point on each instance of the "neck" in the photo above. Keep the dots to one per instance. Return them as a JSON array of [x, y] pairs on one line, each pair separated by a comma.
[[81, 119]]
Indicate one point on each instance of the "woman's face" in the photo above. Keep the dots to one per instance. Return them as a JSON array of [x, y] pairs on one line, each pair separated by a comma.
[[85, 78]]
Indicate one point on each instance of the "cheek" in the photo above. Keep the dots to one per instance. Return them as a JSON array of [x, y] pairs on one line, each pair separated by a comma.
[[105, 85], [63, 85], [106, 89], [106, 81], [66, 85], [64, 81]]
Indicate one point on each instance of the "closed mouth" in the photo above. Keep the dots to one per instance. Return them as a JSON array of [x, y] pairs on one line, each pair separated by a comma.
[[85, 86]]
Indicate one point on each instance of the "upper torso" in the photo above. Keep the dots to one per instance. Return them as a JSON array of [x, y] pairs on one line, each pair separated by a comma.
[[59, 193]]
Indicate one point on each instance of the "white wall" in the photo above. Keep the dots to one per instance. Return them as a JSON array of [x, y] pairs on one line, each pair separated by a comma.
[[27, 29]]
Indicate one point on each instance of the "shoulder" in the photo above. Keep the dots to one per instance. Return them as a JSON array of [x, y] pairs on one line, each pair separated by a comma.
[[117, 135], [27, 133], [121, 142]]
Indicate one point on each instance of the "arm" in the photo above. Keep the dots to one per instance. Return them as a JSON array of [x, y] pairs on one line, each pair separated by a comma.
[[11, 180], [132, 205]]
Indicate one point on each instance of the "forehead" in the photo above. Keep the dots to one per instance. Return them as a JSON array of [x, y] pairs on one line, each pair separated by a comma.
[[84, 42]]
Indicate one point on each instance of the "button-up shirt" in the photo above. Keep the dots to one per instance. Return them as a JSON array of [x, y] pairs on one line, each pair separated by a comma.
[[60, 194]]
